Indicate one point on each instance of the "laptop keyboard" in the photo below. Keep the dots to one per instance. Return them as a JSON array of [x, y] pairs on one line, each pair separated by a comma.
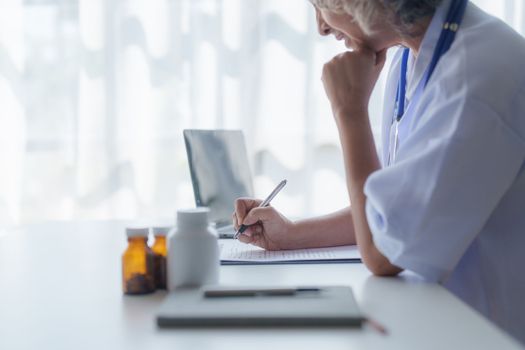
[[226, 231]]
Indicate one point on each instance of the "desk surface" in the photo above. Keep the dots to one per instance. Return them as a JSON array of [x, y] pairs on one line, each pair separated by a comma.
[[60, 289]]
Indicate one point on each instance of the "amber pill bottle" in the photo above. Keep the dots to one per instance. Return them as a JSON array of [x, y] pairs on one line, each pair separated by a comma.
[[160, 250], [138, 263]]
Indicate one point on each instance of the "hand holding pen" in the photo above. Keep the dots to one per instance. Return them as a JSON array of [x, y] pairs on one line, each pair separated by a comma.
[[262, 225], [263, 204]]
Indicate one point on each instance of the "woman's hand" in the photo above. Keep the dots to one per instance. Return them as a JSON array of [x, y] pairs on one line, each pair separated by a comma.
[[267, 228], [349, 79]]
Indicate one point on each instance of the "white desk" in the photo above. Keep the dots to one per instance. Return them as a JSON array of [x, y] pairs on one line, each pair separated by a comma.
[[60, 288]]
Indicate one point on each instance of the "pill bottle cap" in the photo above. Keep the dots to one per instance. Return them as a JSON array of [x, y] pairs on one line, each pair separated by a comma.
[[160, 230], [132, 232], [192, 218]]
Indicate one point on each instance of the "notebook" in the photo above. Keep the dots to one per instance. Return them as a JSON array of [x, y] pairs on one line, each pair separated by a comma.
[[329, 306], [234, 252]]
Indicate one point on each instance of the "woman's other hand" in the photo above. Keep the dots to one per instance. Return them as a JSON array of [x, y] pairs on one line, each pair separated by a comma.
[[267, 228], [349, 79]]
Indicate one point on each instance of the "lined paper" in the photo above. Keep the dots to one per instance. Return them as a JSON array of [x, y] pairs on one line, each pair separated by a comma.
[[232, 250]]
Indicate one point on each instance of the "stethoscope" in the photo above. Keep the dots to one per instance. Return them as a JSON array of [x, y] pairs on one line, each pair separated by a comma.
[[448, 34]]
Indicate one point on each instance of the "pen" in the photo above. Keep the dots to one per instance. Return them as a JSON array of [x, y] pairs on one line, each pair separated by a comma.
[[376, 325], [224, 293], [264, 203]]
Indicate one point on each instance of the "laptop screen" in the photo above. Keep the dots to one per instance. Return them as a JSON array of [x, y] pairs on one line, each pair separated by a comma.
[[220, 171]]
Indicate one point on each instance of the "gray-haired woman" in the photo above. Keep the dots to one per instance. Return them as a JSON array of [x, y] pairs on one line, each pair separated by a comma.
[[445, 195]]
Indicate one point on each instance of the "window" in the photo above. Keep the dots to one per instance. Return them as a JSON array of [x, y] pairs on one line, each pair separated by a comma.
[[95, 94]]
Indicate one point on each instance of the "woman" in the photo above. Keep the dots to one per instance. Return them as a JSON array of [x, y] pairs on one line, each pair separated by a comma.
[[446, 196]]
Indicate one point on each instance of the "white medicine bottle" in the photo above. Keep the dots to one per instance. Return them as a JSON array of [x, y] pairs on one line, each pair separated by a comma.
[[193, 251]]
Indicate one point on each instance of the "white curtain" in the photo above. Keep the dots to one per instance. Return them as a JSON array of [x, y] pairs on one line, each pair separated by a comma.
[[94, 95]]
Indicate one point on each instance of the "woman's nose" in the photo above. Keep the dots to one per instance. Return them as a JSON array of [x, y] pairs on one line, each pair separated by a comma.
[[322, 27]]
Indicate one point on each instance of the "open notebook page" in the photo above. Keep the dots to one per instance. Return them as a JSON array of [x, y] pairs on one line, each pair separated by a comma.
[[232, 251]]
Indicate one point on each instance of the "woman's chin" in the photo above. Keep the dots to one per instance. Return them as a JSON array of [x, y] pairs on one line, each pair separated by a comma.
[[349, 45]]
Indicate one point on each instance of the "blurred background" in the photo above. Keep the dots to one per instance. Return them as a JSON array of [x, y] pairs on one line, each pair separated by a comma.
[[94, 95]]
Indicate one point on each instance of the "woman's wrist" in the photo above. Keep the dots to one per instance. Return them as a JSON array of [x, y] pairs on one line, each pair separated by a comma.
[[353, 112], [329, 230], [297, 235]]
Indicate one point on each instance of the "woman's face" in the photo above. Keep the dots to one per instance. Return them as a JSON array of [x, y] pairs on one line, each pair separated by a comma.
[[343, 27]]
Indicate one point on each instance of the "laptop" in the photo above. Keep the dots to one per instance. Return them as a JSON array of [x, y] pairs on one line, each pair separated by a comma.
[[220, 173]]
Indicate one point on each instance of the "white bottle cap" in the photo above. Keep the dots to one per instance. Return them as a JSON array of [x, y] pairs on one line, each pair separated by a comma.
[[132, 232], [161, 230], [192, 218]]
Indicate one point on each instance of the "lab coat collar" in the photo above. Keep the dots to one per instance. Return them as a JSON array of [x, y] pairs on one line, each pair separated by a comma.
[[418, 66]]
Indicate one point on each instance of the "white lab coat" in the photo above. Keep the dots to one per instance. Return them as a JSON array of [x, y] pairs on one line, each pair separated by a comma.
[[452, 207]]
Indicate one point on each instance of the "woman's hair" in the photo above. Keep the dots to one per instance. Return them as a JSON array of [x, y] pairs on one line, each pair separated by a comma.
[[404, 15]]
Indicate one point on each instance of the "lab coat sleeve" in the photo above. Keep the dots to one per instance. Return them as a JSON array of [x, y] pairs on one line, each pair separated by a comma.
[[425, 211]]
